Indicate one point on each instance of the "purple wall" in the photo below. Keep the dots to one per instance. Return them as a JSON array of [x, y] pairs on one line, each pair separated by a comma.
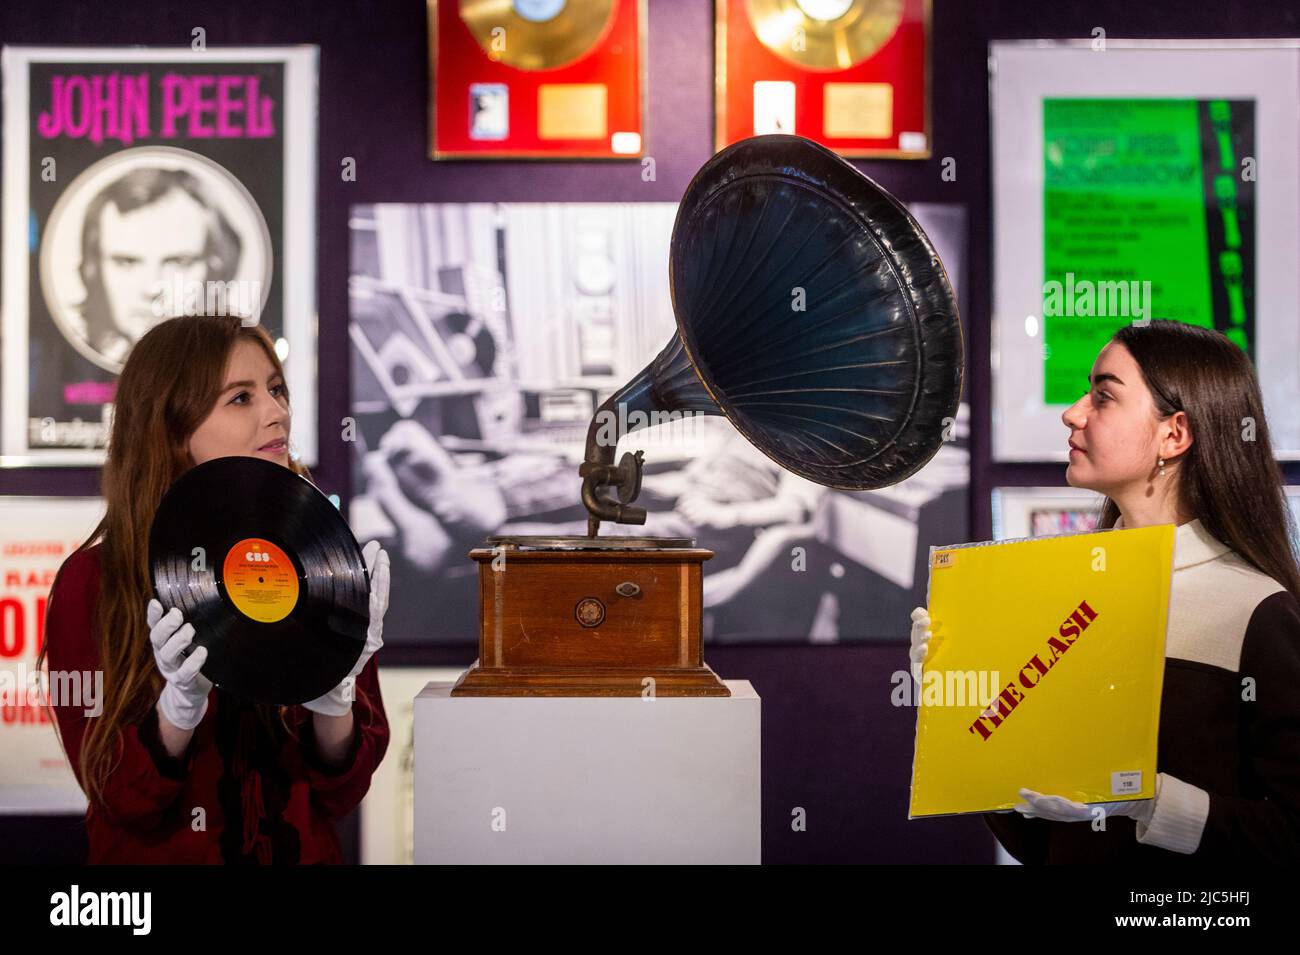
[[831, 742]]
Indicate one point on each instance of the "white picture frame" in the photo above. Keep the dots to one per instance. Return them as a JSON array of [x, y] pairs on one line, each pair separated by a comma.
[[1021, 75]]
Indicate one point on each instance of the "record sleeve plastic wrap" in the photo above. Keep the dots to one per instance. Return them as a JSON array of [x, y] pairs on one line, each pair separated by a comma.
[[1044, 670]]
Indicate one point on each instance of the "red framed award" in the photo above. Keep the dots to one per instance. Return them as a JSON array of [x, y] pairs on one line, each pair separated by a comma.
[[853, 75], [537, 79]]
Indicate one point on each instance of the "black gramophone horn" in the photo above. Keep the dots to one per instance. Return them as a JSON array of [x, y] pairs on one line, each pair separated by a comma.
[[811, 310]]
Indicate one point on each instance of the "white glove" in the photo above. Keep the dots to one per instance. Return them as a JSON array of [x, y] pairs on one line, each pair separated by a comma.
[[1060, 809], [184, 698], [920, 640], [338, 701]]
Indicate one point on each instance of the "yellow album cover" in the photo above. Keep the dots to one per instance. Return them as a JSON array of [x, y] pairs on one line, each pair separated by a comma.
[[1044, 670]]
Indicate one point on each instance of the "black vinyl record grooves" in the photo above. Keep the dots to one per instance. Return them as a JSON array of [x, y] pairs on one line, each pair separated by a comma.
[[268, 572]]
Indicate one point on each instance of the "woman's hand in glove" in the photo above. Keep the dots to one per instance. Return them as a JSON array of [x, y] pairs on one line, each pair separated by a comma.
[[1060, 809], [184, 698], [920, 640], [338, 701]]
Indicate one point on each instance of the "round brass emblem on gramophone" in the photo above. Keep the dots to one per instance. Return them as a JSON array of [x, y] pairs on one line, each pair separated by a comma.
[[590, 612]]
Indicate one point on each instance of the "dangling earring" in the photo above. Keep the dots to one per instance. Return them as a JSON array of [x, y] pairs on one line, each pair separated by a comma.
[[1162, 467]]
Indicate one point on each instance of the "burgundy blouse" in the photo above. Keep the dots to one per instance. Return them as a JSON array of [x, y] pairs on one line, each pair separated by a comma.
[[240, 793]]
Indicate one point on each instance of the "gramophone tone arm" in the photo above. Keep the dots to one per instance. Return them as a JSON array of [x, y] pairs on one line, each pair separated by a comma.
[[626, 478]]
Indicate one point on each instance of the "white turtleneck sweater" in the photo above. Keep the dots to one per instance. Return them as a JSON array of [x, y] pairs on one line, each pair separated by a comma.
[[1228, 759]]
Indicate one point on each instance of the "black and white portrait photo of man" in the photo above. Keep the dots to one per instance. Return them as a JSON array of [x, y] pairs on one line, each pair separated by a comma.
[[146, 235], [140, 234]]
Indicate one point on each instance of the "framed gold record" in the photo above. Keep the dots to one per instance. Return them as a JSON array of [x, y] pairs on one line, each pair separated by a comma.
[[519, 79], [853, 75]]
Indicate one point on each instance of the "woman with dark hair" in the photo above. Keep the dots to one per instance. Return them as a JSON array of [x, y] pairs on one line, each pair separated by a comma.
[[1172, 431], [175, 769]]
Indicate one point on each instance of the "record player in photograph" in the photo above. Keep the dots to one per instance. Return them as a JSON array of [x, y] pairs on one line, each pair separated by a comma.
[[814, 313]]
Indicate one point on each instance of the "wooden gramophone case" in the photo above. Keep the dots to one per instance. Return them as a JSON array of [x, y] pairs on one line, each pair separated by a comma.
[[558, 619]]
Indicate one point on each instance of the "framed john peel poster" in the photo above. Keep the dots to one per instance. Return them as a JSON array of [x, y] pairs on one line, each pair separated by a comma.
[[140, 185], [1132, 181]]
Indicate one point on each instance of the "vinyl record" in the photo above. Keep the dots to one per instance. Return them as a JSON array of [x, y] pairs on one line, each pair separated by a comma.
[[825, 34], [471, 345], [537, 34], [268, 572]]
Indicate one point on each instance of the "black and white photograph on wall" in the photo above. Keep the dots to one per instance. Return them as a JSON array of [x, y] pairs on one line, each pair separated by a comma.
[[483, 339], [147, 185]]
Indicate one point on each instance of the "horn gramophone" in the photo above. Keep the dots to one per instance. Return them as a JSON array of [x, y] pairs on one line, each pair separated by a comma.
[[851, 391]]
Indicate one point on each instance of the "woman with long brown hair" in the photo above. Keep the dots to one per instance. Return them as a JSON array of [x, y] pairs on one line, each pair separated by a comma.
[[176, 770], [1172, 431]]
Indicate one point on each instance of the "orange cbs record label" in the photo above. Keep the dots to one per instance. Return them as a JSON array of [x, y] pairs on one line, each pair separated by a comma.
[[260, 580]]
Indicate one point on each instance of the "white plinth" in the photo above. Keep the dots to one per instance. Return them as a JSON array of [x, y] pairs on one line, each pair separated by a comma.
[[587, 779]]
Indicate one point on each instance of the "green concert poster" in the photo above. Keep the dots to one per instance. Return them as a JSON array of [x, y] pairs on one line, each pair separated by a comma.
[[1148, 213]]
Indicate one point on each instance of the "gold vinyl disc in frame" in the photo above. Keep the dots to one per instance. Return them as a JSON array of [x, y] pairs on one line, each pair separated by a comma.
[[537, 34], [825, 34]]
